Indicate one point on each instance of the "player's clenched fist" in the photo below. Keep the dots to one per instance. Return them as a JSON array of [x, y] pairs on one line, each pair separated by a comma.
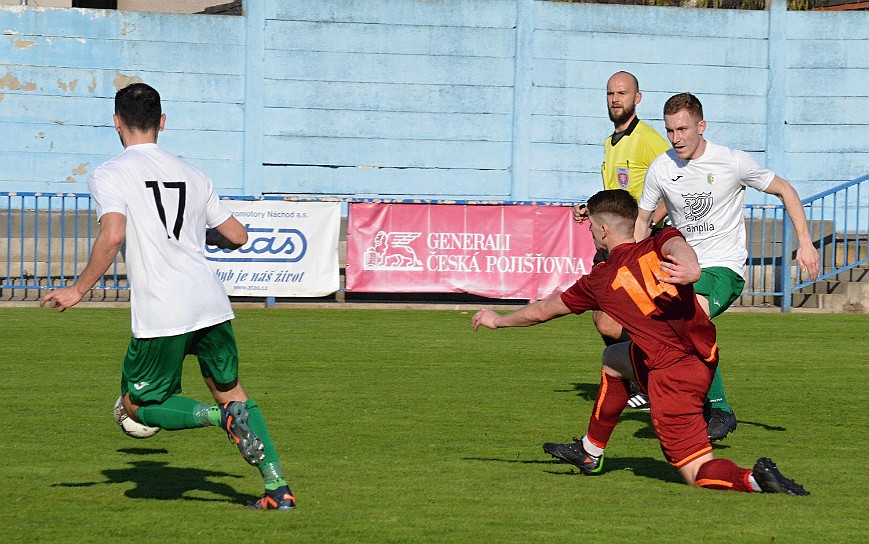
[[580, 213]]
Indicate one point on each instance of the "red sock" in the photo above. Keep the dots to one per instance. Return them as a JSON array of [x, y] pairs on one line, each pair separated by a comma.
[[723, 474], [612, 397]]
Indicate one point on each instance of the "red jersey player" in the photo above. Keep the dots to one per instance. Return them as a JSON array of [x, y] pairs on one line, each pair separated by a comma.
[[647, 287]]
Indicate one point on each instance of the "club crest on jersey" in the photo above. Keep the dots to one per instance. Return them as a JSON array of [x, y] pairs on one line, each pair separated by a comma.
[[697, 205], [623, 177], [710, 178]]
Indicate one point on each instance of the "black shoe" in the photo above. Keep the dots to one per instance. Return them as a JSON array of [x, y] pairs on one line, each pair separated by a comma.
[[233, 419], [279, 499], [720, 423], [770, 480], [639, 401], [576, 455]]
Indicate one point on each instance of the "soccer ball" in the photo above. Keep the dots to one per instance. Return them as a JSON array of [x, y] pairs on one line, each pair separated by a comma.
[[130, 427]]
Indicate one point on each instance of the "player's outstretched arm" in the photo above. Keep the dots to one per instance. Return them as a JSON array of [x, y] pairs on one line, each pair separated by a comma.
[[681, 267], [113, 228], [807, 255], [532, 314]]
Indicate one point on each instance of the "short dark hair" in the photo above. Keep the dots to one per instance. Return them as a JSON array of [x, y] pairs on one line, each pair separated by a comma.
[[616, 203], [684, 101], [138, 106]]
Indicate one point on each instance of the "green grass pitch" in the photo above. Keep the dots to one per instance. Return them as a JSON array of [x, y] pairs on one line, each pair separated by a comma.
[[406, 426]]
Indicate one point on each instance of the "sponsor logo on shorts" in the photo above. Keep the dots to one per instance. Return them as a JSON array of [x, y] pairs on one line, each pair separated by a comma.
[[141, 385]]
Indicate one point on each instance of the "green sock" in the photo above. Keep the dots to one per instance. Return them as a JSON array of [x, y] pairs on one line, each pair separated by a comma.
[[270, 468], [716, 394], [174, 414]]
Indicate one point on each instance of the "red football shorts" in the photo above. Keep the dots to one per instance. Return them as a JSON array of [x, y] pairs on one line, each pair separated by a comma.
[[676, 394]]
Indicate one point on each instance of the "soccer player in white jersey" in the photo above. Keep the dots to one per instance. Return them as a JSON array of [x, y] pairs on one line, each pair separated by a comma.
[[703, 187], [156, 208]]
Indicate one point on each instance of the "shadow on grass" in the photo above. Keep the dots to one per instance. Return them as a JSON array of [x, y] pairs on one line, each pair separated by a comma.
[[157, 480], [763, 426], [585, 391], [143, 451], [588, 391], [646, 467]]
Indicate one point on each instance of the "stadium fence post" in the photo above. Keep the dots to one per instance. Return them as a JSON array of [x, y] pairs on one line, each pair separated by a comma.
[[786, 280]]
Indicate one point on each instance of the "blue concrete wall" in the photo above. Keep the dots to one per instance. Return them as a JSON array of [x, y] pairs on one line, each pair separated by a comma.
[[826, 109], [392, 97], [465, 99], [719, 55], [60, 69]]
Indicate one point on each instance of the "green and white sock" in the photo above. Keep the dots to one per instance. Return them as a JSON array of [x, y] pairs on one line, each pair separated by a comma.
[[174, 414]]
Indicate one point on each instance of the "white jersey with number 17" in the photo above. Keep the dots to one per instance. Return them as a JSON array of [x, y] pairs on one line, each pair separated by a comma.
[[168, 204], [705, 199]]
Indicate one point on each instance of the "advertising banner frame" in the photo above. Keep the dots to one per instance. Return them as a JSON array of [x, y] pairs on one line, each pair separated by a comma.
[[525, 251], [292, 249]]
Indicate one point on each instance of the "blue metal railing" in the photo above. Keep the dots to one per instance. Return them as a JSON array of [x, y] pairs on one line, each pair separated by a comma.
[[48, 239], [837, 219], [763, 243]]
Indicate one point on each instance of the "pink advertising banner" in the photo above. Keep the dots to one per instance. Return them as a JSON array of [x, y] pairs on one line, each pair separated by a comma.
[[514, 252]]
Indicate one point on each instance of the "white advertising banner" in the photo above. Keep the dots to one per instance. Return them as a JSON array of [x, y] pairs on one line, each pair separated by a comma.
[[291, 251]]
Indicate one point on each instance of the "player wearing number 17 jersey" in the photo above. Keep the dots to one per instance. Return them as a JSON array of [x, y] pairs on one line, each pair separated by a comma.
[[647, 288], [168, 204], [157, 208]]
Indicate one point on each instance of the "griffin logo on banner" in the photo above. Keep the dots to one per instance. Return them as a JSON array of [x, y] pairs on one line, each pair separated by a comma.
[[391, 251]]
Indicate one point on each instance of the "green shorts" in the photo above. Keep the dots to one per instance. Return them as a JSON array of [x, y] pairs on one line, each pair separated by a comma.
[[151, 371], [721, 286]]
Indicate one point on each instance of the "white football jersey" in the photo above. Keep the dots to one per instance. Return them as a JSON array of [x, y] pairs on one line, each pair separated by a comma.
[[168, 204], [705, 199]]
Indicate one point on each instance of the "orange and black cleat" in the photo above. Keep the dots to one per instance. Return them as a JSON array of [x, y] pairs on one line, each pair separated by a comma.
[[278, 499]]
